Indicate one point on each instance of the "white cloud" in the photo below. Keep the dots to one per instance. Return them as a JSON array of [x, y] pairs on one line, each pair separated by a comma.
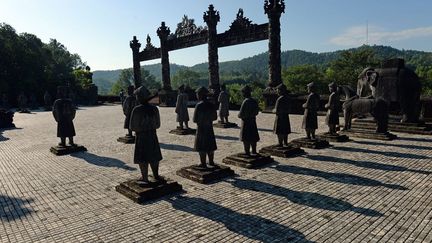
[[356, 35]]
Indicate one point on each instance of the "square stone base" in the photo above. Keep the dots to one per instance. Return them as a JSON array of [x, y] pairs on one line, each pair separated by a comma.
[[179, 131], [225, 125], [248, 161], [141, 193], [284, 152], [369, 134], [311, 143], [63, 150], [340, 138], [205, 175], [126, 139]]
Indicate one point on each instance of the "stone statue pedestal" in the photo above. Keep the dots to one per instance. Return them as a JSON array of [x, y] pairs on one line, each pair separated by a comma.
[[220, 124], [26, 111], [63, 150], [126, 139], [311, 143], [394, 125], [184, 131], [284, 152], [369, 134], [140, 193], [339, 138], [48, 108], [248, 161], [205, 175], [167, 98]]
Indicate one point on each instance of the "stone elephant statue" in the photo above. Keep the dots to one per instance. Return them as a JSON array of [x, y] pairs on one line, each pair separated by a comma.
[[395, 84]]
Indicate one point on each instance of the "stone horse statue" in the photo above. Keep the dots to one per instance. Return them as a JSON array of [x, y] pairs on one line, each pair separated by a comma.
[[355, 106], [394, 83]]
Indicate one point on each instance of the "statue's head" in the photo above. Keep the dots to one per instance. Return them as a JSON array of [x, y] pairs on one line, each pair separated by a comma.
[[246, 91], [311, 87], [131, 89], [201, 93], [332, 87], [142, 94], [62, 92], [181, 88], [281, 89]]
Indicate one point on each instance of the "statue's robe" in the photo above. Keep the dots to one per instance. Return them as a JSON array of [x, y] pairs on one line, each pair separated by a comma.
[[204, 115], [223, 100], [64, 113], [128, 106], [181, 108], [248, 112], [333, 106], [310, 117], [282, 125]]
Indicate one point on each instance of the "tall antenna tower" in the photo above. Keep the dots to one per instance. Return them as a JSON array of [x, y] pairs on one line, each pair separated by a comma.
[[367, 32]]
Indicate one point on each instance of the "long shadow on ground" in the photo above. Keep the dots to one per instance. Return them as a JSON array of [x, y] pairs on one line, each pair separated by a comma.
[[250, 226], [364, 164], [102, 161], [2, 138], [230, 138], [311, 199], [385, 153], [12, 208], [427, 140], [176, 147], [406, 146], [336, 177]]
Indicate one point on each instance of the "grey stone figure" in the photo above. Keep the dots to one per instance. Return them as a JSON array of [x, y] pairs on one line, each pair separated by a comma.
[[282, 126], [204, 115], [144, 121], [47, 101], [33, 102], [64, 113], [249, 130], [310, 117], [223, 100], [333, 108], [181, 108], [122, 96], [22, 102], [128, 105]]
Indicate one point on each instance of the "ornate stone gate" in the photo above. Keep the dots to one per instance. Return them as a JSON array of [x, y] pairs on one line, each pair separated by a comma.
[[241, 31]]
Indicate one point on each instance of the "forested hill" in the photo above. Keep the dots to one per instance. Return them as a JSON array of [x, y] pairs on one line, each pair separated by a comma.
[[258, 64]]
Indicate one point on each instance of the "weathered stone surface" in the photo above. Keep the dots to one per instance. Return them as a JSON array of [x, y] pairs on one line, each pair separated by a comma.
[[369, 134], [285, 151], [184, 131], [126, 139], [311, 143], [225, 125], [339, 138], [141, 193], [205, 175], [248, 161], [404, 127], [63, 150]]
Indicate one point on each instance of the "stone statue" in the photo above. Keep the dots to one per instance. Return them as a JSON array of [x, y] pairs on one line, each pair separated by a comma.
[[333, 108], [64, 113], [33, 102], [181, 108], [248, 112], [310, 117], [282, 126], [223, 100], [22, 102], [47, 101], [144, 121], [204, 115], [122, 96], [128, 105]]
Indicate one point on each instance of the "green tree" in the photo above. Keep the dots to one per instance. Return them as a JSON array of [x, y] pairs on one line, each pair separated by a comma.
[[297, 77], [188, 78], [126, 79]]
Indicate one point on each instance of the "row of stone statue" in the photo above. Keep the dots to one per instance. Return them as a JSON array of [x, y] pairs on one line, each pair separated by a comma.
[[25, 102]]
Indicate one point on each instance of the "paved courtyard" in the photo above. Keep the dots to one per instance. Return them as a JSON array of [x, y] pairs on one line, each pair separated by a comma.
[[360, 191]]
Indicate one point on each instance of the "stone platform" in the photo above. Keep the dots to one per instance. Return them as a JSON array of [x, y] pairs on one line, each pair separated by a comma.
[[368, 134], [339, 138], [248, 161], [139, 193], [205, 175], [126, 139], [63, 150], [225, 125], [311, 143], [394, 126], [284, 152], [179, 131]]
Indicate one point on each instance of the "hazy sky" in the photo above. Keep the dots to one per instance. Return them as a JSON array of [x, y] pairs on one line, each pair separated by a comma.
[[100, 30]]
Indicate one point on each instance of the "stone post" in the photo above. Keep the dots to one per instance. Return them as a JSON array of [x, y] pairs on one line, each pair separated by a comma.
[[274, 10], [135, 46], [211, 17], [163, 33]]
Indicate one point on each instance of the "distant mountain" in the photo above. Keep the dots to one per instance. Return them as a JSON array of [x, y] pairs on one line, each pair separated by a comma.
[[259, 63]]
